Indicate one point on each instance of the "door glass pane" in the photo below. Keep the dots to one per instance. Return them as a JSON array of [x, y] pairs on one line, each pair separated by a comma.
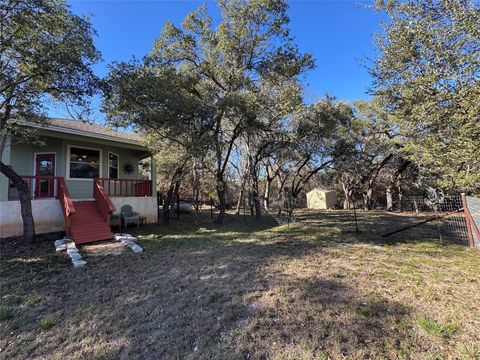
[[45, 167]]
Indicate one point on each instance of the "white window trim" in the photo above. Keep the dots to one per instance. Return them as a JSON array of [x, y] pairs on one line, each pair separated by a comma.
[[69, 146], [118, 164]]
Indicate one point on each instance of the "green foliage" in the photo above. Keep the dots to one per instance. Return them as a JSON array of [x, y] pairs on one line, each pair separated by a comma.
[[45, 52], [437, 329], [5, 313], [34, 299], [364, 149], [203, 86], [46, 323], [316, 140], [428, 77], [153, 99]]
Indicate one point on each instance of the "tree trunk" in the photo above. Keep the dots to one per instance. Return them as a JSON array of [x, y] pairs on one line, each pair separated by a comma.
[[196, 192], [271, 175], [346, 192], [389, 197], [266, 194], [25, 201], [221, 198], [367, 199], [239, 201], [167, 204], [257, 205], [250, 203], [256, 197], [281, 185], [174, 183], [400, 197], [240, 195], [177, 198]]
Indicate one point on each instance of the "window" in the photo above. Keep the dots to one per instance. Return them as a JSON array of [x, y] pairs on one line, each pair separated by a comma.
[[84, 163], [112, 166]]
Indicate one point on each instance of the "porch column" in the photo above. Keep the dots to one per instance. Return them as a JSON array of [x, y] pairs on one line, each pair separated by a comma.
[[3, 178], [153, 175]]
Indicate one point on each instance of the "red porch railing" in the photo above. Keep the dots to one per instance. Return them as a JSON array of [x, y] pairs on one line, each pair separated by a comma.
[[63, 196], [40, 187], [103, 201], [126, 187]]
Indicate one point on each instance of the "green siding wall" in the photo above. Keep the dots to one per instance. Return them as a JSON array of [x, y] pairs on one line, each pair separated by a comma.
[[22, 156], [22, 161], [3, 179]]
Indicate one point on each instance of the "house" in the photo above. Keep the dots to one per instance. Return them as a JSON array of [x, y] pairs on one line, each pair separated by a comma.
[[321, 199], [81, 175]]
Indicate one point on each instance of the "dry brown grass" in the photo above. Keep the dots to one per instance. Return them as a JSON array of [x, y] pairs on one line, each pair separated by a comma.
[[311, 290]]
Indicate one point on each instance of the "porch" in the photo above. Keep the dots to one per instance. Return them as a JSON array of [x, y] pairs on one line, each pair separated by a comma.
[[78, 175], [83, 219], [46, 187]]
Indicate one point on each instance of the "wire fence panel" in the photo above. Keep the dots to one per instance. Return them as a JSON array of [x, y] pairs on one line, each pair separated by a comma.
[[432, 217], [427, 205]]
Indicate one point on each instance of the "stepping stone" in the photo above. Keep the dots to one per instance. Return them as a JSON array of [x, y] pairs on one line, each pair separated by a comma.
[[74, 254], [129, 241], [60, 245], [130, 238], [136, 249], [78, 263], [119, 237], [71, 246]]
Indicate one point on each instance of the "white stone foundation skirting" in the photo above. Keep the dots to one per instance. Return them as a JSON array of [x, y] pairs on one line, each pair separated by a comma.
[[47, 215], [144, 205]]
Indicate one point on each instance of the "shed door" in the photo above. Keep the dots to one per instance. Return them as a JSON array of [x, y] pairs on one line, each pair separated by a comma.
[[44, 166]]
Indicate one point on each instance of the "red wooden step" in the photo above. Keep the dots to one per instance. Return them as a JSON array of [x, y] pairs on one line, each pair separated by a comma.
[[88, 224], [92, 238]]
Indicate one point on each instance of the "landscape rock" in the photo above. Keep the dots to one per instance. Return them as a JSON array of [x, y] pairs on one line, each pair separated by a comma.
[[129, 240], [136, 249], [60, 245], [75, 256], [79, 263]]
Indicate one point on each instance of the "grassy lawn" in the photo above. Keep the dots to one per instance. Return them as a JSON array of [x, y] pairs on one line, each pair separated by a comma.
[[313, 289]]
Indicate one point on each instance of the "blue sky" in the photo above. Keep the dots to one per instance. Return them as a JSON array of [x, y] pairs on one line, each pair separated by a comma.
[[337, 33]]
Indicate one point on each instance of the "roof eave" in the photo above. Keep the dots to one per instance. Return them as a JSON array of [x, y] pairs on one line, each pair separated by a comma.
[[79, 132]]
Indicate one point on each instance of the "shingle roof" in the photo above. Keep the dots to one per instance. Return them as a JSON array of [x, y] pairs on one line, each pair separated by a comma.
[[92, 128]]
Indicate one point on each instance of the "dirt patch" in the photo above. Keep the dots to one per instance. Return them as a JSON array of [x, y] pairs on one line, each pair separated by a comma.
[[102, 249]]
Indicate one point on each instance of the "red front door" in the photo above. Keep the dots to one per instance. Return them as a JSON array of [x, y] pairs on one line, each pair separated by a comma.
[[44, 166]]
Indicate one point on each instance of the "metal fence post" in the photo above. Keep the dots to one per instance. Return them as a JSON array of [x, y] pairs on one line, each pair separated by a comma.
[[467, 220]]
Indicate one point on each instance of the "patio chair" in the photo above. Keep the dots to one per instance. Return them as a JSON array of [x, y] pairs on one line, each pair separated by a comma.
[[129, 216]]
